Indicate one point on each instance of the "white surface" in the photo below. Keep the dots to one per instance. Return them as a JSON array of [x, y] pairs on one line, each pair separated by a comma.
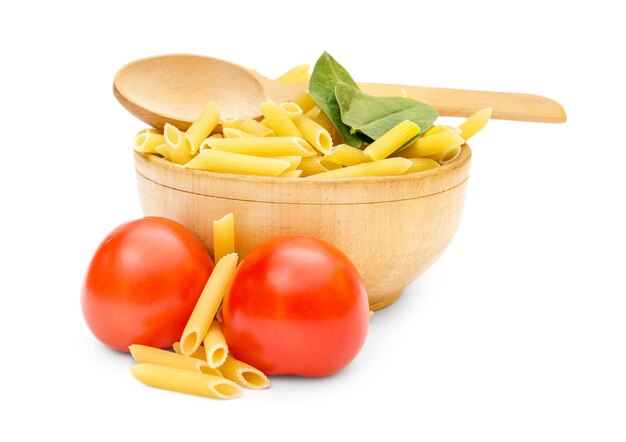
[[517, 333]]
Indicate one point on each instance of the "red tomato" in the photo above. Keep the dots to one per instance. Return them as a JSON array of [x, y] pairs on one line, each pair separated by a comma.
[[297, 306], [143, 283]]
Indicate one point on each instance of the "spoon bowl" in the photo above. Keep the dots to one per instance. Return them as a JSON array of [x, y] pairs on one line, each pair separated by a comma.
[[175, 88]]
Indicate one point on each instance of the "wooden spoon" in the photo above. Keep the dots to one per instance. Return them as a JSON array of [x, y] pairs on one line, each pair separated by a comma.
[[175, 88]]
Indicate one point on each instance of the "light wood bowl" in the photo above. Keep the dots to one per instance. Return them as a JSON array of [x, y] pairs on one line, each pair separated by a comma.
[[392, 228]]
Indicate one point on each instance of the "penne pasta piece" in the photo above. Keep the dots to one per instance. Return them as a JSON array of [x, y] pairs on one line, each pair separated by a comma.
[[291, 173], [255, 128], [262, 146], [223, 236], [296, 75], [230, 132], [305, 101], [294, 161], [231, 123], [215, 346], [278, 120], [447, 155], [174, 139], [315, 165], [314, 134], [420, 164], [345, 155], [203, 313], [184, 381], [198, 354], [388, 166], [201, 127], [218, 161], [432, 144], [147, 140], [163, 150], [291, 109], [441, 128], [243, 374], [318, 115], [392, 140], [151, 355], [475, 123]]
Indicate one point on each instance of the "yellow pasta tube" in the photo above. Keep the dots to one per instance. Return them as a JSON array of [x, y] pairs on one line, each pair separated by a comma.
[[184, 381], [230, 132], [203, 313], [475, 123], [163, 150], [447, 155], [345, 155], [202, 127], [318, 115], [151, 355], [255, 128], [147, 140], [441, 128], [291, 173], [305, 101], [420, 164], [315, 165], [316, 135], [174, 139], [294, 161], [218, 161], [392, 140], [262, 146], [231, 122], [223, 236], [243, 374], [291, 109], [278, 120], [215, 346], [296, 75], [198, 354], [388, 166], [432, 144]]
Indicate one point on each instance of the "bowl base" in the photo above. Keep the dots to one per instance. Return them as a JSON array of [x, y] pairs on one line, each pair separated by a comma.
[[389, 299]]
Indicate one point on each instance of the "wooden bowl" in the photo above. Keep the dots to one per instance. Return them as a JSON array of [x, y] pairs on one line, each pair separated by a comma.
[[392, 228]]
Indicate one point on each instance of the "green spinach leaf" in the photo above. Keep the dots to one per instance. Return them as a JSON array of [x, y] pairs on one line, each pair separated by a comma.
[[326, 74], [374, 116]]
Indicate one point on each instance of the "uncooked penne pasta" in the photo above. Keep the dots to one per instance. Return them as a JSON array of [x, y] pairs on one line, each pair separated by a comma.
[[388, 166], [441, 128], [163, 150], [296, 75], [447, 155], [278, 120], [305, 101], [231, 122], [294, 161], [231, 132], [202, 127], [432, 144], [215, 347], [151, 355], [176, 147], [475, 123], [314, 134], [184, 381], [291, 109], [315, 165], [198, 354], [318, 115], [345, 155], [291, 173], [420, 164], [218, 161], [392, 140], [255, 128], [210, 299], [243, 374], [223, 236], [147, 140], [262, 146]]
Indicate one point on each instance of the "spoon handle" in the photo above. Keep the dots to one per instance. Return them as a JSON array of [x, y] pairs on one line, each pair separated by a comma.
[[463, 103]]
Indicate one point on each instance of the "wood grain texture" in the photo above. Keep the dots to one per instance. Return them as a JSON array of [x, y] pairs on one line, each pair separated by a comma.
[[175, 88], [392, 228]]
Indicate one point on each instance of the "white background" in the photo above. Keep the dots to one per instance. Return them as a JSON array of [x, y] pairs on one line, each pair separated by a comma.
[[517, 333]]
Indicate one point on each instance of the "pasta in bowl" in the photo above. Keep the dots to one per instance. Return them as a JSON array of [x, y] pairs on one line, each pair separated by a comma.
[[391, 227]]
